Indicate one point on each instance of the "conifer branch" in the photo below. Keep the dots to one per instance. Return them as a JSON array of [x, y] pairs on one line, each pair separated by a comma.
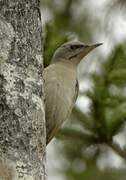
[[116, 147]]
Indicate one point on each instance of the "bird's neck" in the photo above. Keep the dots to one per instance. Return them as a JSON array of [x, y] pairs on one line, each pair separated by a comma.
[[67, 63]]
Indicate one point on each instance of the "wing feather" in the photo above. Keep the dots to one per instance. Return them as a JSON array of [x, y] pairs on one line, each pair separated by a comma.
[[60, 96]]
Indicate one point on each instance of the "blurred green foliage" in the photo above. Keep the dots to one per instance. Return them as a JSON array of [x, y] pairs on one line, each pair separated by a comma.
[[85, 140], [105, 120]]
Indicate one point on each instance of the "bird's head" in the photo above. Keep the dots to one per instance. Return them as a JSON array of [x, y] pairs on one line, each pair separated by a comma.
[[73, 51]]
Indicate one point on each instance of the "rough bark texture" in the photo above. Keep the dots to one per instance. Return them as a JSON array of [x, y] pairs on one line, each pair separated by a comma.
[[22, 122]]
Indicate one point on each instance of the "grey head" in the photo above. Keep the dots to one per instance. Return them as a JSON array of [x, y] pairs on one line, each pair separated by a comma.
[[73, 51]]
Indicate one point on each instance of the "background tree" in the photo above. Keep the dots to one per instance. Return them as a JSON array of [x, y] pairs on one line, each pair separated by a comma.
[[22, 125], [91, 140]]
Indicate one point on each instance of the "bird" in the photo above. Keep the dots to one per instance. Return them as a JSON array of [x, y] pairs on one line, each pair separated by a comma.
[[61, 84]]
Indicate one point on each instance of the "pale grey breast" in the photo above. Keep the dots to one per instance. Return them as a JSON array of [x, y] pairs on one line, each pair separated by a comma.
[[60, 96]]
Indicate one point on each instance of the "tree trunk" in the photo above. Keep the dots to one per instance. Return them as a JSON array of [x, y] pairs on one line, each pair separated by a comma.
[[22, 118]]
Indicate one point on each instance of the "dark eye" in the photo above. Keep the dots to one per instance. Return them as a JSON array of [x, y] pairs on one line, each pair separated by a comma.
[[73, 47]]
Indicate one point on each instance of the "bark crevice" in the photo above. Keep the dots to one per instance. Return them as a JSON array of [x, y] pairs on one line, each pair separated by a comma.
[[22, 118]]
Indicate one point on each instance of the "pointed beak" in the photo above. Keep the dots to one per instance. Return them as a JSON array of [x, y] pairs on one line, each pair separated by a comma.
[[96, 45], [88, 48]]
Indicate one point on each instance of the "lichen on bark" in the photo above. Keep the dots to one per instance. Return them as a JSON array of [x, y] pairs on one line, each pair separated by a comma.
[[22, 120]]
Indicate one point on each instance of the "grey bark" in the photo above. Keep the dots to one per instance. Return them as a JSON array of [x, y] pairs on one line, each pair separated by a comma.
[[22, 118]]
